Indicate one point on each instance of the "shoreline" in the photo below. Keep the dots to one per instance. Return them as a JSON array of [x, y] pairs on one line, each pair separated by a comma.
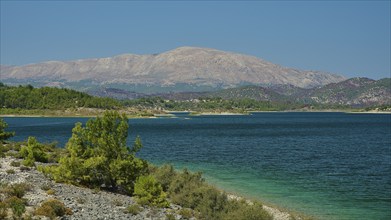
[[171, 114], [64, 191]]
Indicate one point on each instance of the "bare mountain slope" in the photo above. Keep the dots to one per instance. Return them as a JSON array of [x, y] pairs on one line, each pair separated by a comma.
[[184, 66]]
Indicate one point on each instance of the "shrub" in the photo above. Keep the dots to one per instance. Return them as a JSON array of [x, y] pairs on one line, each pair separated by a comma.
[[29, 162], [53, 208], [170, 216], [133, 209], [211, 202], [15, 163], [50, 192], [10, 171], [186, 213], [150, 192], [34, 151], [164, 175], [182, 189], [97, 155], [18, 189], [17, 205], [242, 211], [3, 134], [45, 187], [24, 168], [12, 154], [117, 202]]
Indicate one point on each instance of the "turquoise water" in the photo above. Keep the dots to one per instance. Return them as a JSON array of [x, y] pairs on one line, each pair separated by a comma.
[[329, 165]]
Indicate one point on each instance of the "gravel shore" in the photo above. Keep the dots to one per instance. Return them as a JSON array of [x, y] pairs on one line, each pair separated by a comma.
[[87, 203]]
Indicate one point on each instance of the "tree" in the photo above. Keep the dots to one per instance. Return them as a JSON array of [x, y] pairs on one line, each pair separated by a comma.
[[98, 155], [34, 151], [150, 192], [3, 134]]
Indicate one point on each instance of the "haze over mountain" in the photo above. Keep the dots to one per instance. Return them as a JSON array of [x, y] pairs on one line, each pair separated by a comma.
[[178, 70]]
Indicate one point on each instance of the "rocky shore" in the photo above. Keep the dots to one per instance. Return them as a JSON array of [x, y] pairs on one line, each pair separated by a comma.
[[85, 203], [88, 203]]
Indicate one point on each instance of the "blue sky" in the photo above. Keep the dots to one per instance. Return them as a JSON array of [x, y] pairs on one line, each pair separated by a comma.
[[351, 38]]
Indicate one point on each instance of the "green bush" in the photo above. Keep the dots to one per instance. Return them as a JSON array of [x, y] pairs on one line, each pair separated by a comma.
[[117, 202], [50, 192], [17, 205], [150, 192], [186, 213], [170, 216], [3, 134], [53, 208], [15, 163], [34, 151], [46, 187], [241, 210], [133, 209], [182, 189], [18, 189], [164, 175], [10, 171], [29, 162], [97, 155], [24, 168]]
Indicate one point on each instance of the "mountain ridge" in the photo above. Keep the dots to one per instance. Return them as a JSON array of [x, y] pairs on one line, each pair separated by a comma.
[[353, 92], [190, 66]]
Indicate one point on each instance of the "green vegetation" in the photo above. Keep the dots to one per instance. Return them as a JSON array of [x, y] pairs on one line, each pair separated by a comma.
[[28, 97], [17, 205], [190, 191], [17, 189], [15, 164], [3, 134], [53, 208], [97, 155], [34, 151], [10, 171], [27, 100], [11, 197], [208, 104], [133, 209], [150, 192]]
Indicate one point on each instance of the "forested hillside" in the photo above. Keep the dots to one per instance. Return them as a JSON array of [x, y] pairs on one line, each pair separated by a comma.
[[28, 97]]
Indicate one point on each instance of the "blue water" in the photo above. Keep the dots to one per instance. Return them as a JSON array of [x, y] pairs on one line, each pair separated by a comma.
[[328, 165]]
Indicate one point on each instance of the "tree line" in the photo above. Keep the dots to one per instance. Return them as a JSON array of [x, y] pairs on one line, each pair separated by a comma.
[[28, 97]]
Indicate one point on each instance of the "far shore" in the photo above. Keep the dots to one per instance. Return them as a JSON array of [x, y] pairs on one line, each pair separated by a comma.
[[191, 113]]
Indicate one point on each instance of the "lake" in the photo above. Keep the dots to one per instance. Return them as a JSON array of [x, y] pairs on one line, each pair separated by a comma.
[[329, 165]]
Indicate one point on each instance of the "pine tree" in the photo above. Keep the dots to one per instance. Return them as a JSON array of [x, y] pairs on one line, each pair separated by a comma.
[[98, 155], [3, 134]]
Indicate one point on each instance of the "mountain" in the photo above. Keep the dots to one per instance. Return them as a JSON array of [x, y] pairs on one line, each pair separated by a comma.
[[185, 69], [354, 92]]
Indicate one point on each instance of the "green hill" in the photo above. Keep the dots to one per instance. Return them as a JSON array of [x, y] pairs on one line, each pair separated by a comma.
[[28, 97]]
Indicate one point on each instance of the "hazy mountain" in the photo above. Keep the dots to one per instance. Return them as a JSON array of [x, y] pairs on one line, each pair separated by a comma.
[[182, 69], [354, 92]]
